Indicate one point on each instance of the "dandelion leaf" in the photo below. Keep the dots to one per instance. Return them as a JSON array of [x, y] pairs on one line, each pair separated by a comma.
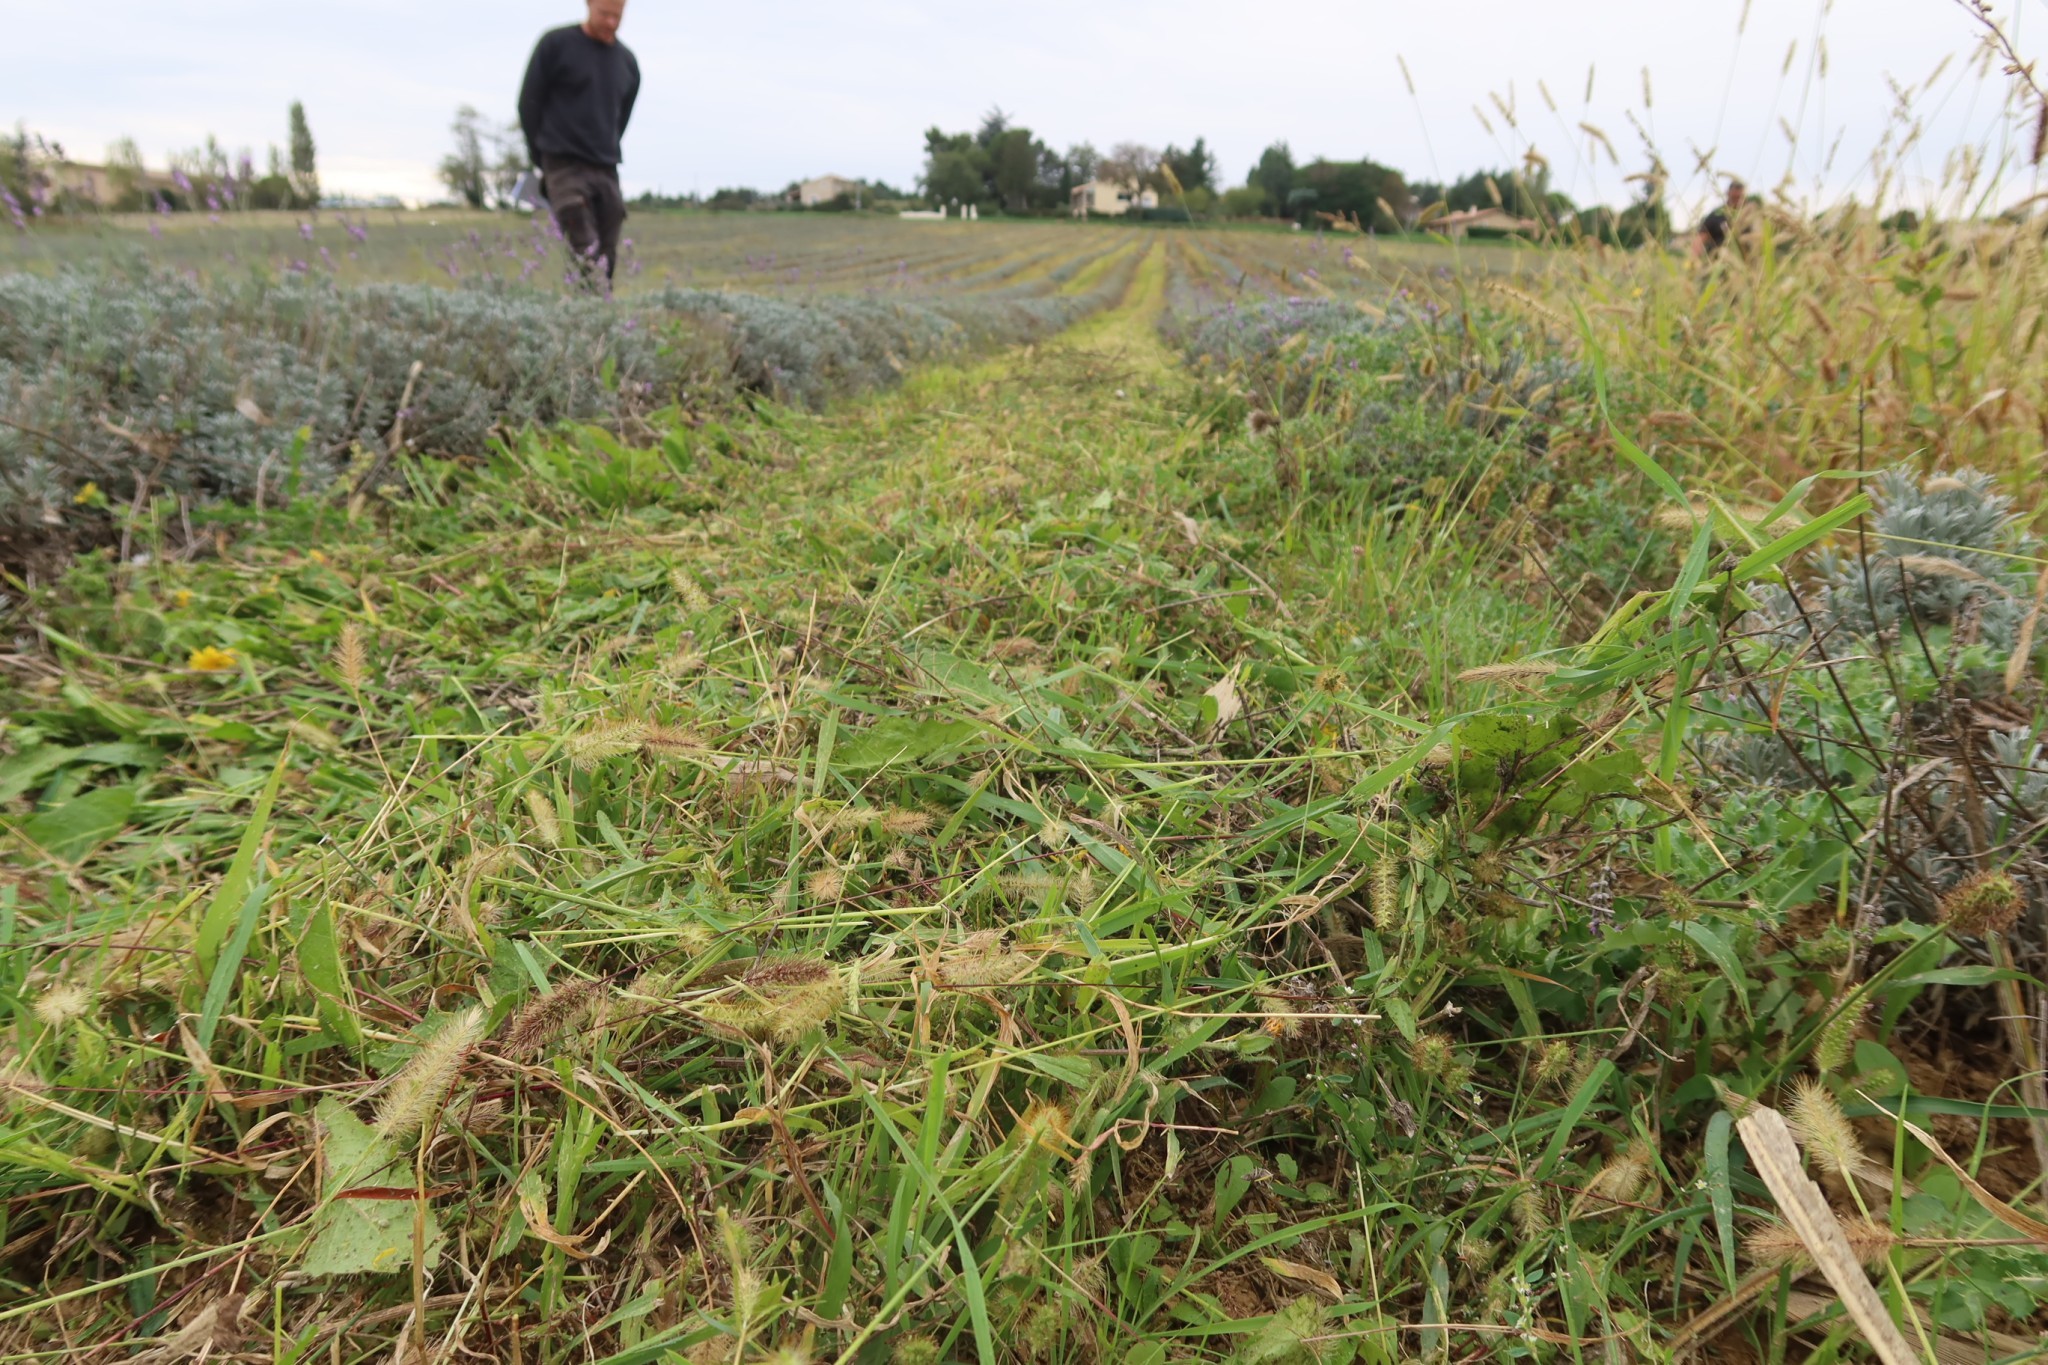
[[370, 1232]]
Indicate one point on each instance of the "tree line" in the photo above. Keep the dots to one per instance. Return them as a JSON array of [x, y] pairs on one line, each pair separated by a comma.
[[207, 178], [1003, 166]]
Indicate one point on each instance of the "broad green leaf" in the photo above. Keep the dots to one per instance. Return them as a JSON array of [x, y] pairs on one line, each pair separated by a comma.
[[1797, 539], [899, 741], [321, 964], [229, 968], [1568, 1120], [25, 769], [362, 1236], [1721, 1190], [220, 913], [1723, 956], [74, 829]]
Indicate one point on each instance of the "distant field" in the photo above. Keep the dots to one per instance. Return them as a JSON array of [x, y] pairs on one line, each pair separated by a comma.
[[779, 254]]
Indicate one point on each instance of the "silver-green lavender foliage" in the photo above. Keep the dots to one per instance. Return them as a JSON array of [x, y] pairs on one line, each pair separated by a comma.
[[111, 375]]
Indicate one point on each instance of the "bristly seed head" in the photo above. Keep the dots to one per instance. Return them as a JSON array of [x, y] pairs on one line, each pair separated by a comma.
[[63, 1002], [827, 884], [419, 1089], [1836, 1040], [608, 739], [780, 998], [905, 824], [1386, 894], [351, 660], [541, 1020], [546, 822], [1989, 903], [1823, 1129]]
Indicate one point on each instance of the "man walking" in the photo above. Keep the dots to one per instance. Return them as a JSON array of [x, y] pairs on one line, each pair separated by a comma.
[[573, 108]]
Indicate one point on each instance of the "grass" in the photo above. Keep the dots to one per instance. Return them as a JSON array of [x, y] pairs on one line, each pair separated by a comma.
[[1079, 857]]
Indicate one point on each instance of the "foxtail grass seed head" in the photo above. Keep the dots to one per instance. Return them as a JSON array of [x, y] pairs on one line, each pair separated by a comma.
[[1774, 1244], [1475, 1253], [905, 824], [668, 741], [1044, 1328], [1532, 1217], [1617, 1183], [542, 1020], [1738, 1105], [1386, 894], [1046, 1127], [780, 999], [914, 1350], [1553, 1063], [422, 1085], [1434, 1056], [1934, 566], [1836, 1040], [827, 884], [1989, 903], [689, 592], [546, 823], [1516, 675], [590, 747], [1823, 1129], [351, 660]]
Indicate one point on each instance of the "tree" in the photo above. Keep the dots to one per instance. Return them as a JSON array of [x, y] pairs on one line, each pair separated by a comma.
[[954, 167], [1129, 163], [1193, 169], [125, 173], [305, 173], [1013, 168], [1375, 195], [1082, 160], [466, 170], [485, 167], [1275, 175]]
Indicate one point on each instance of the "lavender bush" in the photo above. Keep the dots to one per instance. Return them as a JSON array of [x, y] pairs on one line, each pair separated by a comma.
[[111, 376]]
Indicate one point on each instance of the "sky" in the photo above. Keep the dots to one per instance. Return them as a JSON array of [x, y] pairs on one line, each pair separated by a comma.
[[771, 91]]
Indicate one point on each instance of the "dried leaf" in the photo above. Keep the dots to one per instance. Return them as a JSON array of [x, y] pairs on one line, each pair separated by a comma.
[[1305, 1274], [2023, 1224], [1229, 706], [1776, 1158]]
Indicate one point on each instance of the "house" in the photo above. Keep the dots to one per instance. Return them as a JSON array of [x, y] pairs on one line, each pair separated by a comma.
[[99, 186], [1111, 198], [824, 189], [1456, 225]]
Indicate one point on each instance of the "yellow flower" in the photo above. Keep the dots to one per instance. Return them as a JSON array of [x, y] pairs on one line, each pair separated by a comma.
[[89, 496], [182, 598], [211, 659], [316, 556]]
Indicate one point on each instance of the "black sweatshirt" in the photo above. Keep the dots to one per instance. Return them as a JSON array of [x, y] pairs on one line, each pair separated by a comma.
[[577, 97]]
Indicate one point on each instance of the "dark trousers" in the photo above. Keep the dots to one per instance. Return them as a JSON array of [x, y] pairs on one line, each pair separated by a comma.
[[590, 208]]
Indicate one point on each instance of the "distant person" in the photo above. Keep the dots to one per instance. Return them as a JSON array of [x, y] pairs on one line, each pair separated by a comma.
[[573, 108], [1718, 226]]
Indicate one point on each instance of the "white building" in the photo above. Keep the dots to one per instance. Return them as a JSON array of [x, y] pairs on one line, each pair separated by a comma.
[[825, 189], [1109, 198]]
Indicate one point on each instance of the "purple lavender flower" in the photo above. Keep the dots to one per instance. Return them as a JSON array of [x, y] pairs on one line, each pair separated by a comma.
[[306, 231], [179, 179]]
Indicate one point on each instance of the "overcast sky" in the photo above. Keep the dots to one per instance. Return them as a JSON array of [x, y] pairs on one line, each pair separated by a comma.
[[766, 91]]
